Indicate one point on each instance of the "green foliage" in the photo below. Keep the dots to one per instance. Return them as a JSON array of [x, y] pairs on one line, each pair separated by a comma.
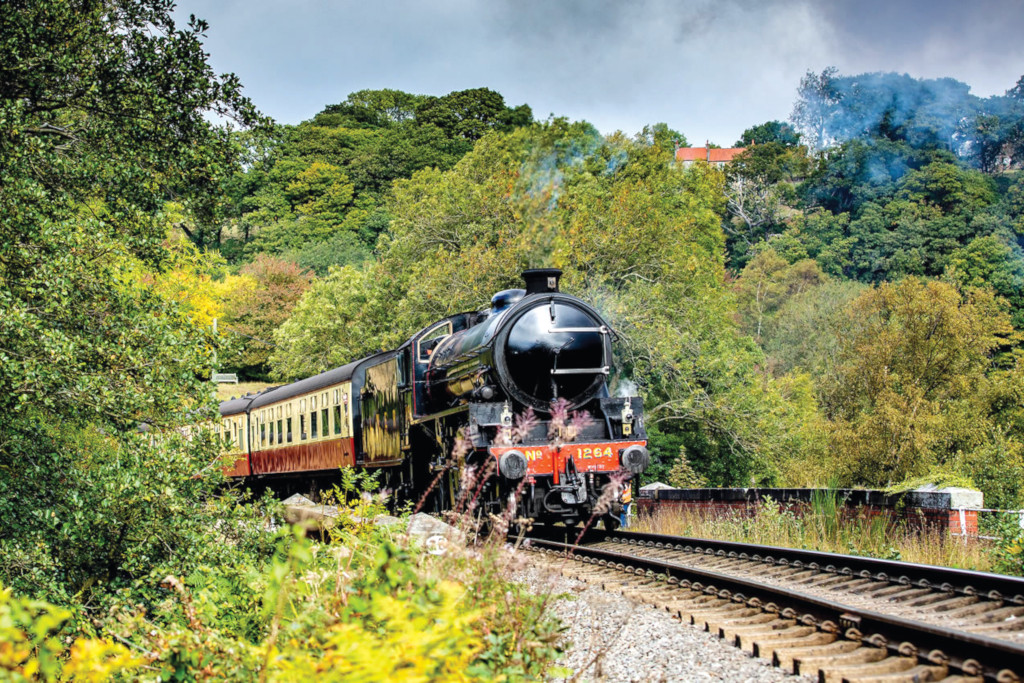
[[664, 138], [632, 233], [364, 607], [760, 192], [806, 330], [470, 114], [904, 397], [323, 181], [683, 476], [340, 249], [924, 113], [766, 284], [259, 306], [31, 648], [125, 507], [664, 448], [769, 132], [1008, 553], [103, 119]]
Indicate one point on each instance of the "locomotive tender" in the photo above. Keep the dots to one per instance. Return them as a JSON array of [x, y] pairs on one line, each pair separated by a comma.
[[524, 383]]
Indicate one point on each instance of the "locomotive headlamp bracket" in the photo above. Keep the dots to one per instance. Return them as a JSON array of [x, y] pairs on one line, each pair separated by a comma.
[[627, 418]]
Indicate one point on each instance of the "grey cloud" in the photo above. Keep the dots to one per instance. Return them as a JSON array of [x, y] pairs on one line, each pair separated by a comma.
[[709, 68]]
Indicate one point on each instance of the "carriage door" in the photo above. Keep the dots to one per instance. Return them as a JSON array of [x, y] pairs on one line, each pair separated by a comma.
[[405, 390], [383, 414]]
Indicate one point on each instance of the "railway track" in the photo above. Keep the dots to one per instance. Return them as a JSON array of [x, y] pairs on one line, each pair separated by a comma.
[[844, 618]]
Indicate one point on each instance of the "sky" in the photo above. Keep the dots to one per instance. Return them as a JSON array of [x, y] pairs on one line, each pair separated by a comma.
[[708, 68]]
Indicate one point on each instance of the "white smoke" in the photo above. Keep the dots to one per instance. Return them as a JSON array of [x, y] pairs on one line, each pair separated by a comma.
[[626, 388]]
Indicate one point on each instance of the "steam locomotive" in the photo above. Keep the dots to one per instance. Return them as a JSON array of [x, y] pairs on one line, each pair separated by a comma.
[[512, 400]]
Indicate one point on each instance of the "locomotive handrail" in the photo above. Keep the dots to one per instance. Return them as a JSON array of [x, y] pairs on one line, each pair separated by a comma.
[[603, 329], [581, 371]]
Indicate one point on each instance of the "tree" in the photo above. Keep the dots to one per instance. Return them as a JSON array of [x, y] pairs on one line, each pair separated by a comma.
[[376, 108], [104, 110], [260, 305], [471, 113], [926, 114], [766, 284], [311, 183], [817, 104], [663, 137], [770, 131], [903, 397], [806, 330], [760, 185], [632, 232], [991, 262]]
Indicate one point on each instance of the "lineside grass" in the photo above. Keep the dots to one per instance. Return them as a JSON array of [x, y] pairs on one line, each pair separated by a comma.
[[823, 526]]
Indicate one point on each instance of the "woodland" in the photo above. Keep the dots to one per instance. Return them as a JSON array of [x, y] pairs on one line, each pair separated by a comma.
[[841, 306]]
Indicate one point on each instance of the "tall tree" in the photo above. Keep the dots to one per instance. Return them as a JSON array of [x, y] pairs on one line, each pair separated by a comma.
[[903, 398], [818, 101], [260, 305], [770, 131], [105, 110]]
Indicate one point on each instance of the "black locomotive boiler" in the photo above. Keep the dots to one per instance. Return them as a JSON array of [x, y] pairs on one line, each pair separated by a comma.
[[513, 398]]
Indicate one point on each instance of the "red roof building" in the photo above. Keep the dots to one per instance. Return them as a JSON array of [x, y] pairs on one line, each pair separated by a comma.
[[715, 157]]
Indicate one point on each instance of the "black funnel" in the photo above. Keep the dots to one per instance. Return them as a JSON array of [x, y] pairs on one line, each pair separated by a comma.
[[541, 280]]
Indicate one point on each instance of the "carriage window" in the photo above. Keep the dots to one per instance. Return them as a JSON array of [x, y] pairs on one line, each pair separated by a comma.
[[302, 426], [337, 419], [325, 426], [431, 339], [312, 403], [289, 426], [280, 431], [312, 425], [263, 433], [335, 397]]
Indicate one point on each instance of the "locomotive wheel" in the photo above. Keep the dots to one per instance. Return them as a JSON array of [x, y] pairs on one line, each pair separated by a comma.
[[611, 522]]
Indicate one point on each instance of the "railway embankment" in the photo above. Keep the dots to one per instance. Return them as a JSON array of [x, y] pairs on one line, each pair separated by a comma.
[[839, 618]]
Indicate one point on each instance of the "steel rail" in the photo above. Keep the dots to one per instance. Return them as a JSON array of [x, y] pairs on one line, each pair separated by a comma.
[[966, 651], [947, 579]]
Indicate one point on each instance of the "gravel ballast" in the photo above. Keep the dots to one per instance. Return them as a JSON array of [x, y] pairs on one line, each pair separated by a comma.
[[612, 638]]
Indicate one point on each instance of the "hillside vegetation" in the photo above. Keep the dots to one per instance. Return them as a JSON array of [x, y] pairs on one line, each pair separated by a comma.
[[841, 305]]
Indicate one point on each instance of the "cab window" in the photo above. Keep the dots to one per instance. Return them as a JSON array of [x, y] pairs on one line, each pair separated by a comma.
[[430, 339]]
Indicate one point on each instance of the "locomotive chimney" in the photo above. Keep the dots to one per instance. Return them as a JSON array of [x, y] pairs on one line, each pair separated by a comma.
[[541, 280]]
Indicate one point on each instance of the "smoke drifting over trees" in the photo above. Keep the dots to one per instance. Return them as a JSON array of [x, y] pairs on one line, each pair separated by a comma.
[[924, 113]]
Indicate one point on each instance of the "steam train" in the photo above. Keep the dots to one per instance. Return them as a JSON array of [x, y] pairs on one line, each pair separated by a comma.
[[512, 400]]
